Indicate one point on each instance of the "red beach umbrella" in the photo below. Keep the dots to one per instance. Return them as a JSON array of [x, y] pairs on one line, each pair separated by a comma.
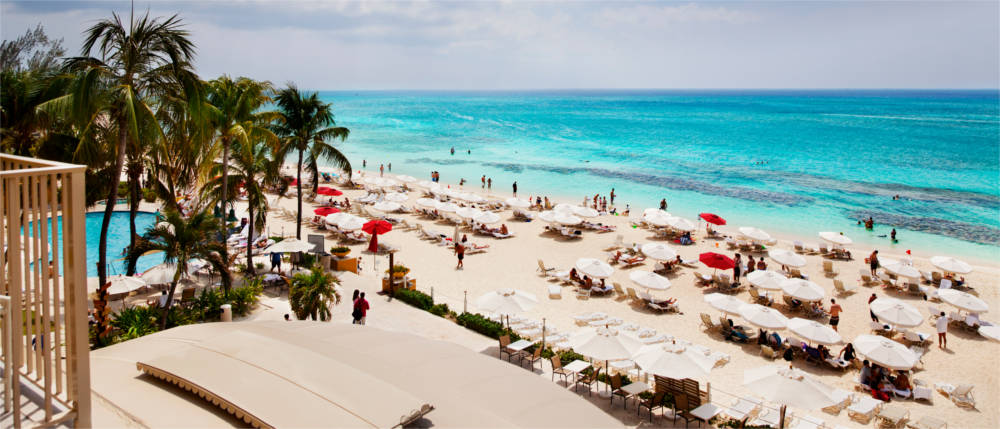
[[376, 227], [326, 190], [293, 182], [713, 218], [323, 211], [717, 261]]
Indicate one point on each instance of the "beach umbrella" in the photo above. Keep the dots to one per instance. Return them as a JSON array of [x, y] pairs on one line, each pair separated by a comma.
[[406, 179], [564, 208], [161, 274], [323, 211], [396, 197], [196, 264], [885, 352], [802, 290], [658, 218], [681, 224], [789, 387], [814, 331], [725, 303], [900, 269], [427, 202], [375, 227], [896, 312], [951, 265], [487, 218], [785, 257], [674, 361], [424, 184], [467, 212], [990, 331], [386, 206], [763, 317], [474, 198], [326, 190], [125, 284], [446, 207], [716, 260], [604, 344], [352, 223], [754, 234], [649, 280], [659, 251], [585, 211], [507, 301], [517, 202], [332, 219], [290, 245], [567, 219], [712, 218], [963, 301], [835, 238], [594, 268], [765, 279], [655, 211], [548, 216]]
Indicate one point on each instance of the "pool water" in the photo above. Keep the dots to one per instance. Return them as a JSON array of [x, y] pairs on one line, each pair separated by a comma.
[[118, 240]]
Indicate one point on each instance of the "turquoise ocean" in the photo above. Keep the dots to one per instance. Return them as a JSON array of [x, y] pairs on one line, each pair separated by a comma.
[[790, 162]]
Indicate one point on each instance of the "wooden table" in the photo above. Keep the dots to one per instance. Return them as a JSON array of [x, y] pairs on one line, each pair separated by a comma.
[[634, 389], [576, 367]]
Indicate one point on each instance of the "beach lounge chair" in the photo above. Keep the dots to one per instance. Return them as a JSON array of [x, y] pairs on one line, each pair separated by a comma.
[[892, 416], [767, 352], [557, 369], [662, 307], [582, 293], [864, 408], [707, 322], [914, 337], [632, 296], [653, 403], [807, 422], [828, 269], [960, 395], [545, 271], [823, 249], [843, 397], [865, 277], [702, 279], [555, 292], [928, 422], [842, 289], [926, 277], [936, 277], [799, 247], [795, 273], [618, 243], [762, 299], [618, 290], [743, 408]]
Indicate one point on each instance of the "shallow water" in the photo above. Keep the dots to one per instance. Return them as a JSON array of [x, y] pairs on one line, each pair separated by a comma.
[[788, 161], [118, 239]]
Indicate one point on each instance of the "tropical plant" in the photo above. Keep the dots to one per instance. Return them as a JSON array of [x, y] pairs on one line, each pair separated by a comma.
[[138, 61], [305, 125], [182, 239], [313, 294], [134, 322], [415, 298], [244, 298]]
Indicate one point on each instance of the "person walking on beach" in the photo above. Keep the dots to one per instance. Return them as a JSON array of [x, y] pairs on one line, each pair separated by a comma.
[[942, 330], [870, 299], [737, 265], [515, 189], [361, 308], [275, 261], [460, 253], [381, 170], [489, 184], [364, 163], [355, 314], [390, 166], [612, 195], [834, 313], [484, 181], [873, 263]]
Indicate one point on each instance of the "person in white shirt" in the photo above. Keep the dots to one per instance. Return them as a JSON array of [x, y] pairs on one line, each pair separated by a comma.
[[942, 329]]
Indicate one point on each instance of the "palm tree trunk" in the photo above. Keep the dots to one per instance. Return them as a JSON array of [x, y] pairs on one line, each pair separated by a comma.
[[298, 185], [225, 177], [315, 174], [134, 173], [170, 298], [250, 230], [109, 206]]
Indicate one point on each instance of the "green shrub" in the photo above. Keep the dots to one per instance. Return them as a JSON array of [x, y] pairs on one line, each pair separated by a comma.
[[604, 378], [243, 299], [134, 322], [149, 195], [179, 316], [208, 305], [487, 327], [339, 249], [122, 189], [415, 298], [440, 310]]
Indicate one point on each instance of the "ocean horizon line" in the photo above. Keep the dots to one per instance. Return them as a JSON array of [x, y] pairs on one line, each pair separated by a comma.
[[664, 90]]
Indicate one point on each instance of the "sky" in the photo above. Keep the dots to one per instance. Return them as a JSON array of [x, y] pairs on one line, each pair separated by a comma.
[[513, 44]]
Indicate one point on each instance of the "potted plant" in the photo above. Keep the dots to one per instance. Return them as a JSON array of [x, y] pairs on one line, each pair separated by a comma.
[[399, 270], [340, 251]]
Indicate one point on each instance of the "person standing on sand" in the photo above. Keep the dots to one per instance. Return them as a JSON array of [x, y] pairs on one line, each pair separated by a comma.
[[355, 314], [873, 263], [484, 181], [364, 163], [737, 265], [381, 170], [390, 166], [834, 313], [870, 299], [515, 189], [612, 195], [942, 330], [489, 183], [361, 306], [460, 253]]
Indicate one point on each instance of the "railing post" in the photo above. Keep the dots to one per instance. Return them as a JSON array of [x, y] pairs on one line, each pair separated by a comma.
[[76, 284]]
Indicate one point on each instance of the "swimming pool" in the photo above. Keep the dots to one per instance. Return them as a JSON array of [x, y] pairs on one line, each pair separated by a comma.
[[118, 239]]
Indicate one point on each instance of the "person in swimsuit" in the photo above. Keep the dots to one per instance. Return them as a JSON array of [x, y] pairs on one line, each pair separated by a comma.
[[835, 310]]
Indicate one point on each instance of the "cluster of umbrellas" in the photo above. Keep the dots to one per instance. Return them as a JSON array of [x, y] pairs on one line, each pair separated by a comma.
[[326, 190], [660, 218]]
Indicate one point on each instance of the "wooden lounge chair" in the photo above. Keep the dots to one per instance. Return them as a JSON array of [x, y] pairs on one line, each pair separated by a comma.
[[960, 395], [892, 416], [657, 402], [866, 278], [618, 290], [557, 369], [928, 422], [707, 322], [936, 277], [762, 299], [582, 292], [545, 271], [795, 273], [864, 408], [662, 308], [555, 292], [618, 244], [828, 269], [702, 279], [841, 289], [633, 297], [767, 352]]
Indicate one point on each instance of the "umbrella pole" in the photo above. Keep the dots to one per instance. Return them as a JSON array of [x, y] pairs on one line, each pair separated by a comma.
[[543, 334], [781, 421]]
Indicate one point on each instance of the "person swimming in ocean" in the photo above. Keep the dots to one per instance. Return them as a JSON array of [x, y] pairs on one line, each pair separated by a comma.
[[453, 150]]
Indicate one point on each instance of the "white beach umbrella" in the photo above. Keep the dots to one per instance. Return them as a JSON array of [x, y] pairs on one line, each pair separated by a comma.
[[764, 279], [396, 197], [649, 280], [653, 211], [507, 301], [963, 301], [487, 218], [446, 207], [585, 211], [990, 331], [659, 251], [424, 184], [789, 387], [594, 268], [674, 361], [604, 344], [406, 179], [119, 284], [724, 303], [160, 274], [900, 269], [475, 198], [333, 218], [353, 223], [814, 331], [885, 352], [290, 245], [346, 217], [567, 219], [802, 289], [386, 182], [754, 234], [896, 312], [835, 238], [386, 206], [681, 224], [951, 265], [763, 317], [467, 212], [659, 218], [427, 202], [564, 208], [547, 216], [517, 203], [787, 258]]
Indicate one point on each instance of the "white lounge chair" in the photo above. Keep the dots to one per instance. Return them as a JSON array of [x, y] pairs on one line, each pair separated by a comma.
[[960, 395], [864, 408], [743, 408]]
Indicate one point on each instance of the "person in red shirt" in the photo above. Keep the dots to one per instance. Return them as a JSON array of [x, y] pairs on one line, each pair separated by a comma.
[[361, 309]]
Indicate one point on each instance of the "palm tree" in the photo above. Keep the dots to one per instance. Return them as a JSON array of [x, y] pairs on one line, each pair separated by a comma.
[[182, 239], [234, 106], [305, 123], [139, 61], [312, 294], [252, 166]]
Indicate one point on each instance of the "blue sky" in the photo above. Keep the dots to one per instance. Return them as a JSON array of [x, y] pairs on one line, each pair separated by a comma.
[[527, 45]]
